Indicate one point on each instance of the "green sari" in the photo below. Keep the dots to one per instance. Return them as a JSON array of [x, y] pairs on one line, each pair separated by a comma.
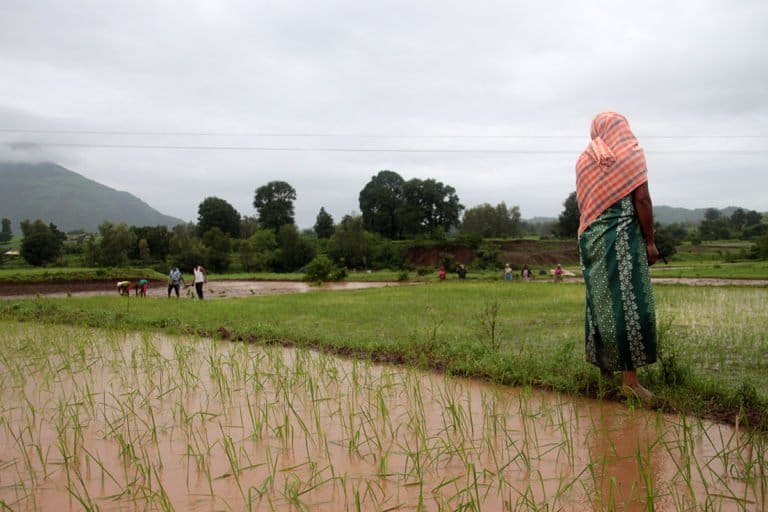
[[621, 317]]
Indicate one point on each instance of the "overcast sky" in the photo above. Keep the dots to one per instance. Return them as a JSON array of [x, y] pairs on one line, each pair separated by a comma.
[[386, 75]]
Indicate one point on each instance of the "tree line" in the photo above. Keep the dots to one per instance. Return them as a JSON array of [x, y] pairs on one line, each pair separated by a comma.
[[391, 209]]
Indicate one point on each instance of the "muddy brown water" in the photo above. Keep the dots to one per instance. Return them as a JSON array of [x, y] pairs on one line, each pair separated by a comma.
[[139, 422], [213, 289]]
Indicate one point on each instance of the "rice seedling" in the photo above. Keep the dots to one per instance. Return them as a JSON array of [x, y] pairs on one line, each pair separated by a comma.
[[104, 419]]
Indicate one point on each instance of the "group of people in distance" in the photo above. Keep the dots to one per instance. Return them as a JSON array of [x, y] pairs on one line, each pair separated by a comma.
[[461, 271], [525, 273], [125, 287], [175, 279]]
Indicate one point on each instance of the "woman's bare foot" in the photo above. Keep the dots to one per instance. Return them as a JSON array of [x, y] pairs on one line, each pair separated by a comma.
[[631, 387], [639, 392]]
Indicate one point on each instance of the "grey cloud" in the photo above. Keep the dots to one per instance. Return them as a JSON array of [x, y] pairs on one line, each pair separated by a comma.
[[389, 68]]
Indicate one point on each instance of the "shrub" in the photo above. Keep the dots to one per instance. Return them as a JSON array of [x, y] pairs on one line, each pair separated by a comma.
[[321, 268]]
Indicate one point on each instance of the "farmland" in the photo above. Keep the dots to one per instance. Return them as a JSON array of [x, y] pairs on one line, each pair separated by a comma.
[[106, 420], [112, 403]]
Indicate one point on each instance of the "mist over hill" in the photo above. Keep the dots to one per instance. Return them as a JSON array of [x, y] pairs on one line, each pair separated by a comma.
[[52, 193]]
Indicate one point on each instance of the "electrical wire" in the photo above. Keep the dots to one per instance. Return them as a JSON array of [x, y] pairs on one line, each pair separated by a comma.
[[322, 149], [358, 135]]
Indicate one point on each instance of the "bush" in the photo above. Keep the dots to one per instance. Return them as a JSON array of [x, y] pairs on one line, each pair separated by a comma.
[[338, 274], [318, 269], [488, 256], [321, 268], [423, 271]]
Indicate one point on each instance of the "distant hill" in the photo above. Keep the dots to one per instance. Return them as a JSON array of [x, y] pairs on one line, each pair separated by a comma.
[[52, 193], [672, 215]]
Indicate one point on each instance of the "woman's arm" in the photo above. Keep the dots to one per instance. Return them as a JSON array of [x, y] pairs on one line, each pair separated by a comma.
[[644, 208]]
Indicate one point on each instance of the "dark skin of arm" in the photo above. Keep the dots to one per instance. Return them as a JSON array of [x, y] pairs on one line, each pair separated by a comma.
[[641, 197]]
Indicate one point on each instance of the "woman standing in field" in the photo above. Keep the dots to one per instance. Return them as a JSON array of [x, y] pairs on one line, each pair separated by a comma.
[[617, 246]]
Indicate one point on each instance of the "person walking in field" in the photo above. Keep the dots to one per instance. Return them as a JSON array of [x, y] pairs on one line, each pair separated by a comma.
[[174, 281], [507, 272], [617, 246], [142, 287], [199, 273]]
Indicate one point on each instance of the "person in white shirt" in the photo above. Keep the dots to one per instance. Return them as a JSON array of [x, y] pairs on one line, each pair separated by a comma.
[[199, 273]]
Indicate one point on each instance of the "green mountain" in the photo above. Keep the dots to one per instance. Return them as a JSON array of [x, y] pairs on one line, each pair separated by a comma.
[[52, 193]]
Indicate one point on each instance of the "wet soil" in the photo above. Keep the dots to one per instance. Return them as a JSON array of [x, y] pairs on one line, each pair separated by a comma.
[[141, 421], [212, 290]]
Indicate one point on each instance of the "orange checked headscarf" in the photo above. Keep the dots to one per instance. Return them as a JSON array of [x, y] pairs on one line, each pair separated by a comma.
[[612, 166]]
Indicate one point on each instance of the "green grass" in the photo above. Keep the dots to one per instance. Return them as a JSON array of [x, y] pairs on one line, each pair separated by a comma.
[[713, 340], [67, 274], [749, 269]]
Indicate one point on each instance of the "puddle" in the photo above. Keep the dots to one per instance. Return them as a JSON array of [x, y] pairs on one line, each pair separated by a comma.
[[135, 422]]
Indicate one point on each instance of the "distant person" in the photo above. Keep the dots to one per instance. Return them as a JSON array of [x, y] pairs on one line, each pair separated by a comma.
[[526, 273], [462, 271], [199, 273], [507, 272], [124, 287], [441, 273], [558, 272], [141, 288], [174, 281], [616, 245]]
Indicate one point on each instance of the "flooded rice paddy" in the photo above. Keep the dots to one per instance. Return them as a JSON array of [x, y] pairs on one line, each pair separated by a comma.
[[94, 420], [213, 289]]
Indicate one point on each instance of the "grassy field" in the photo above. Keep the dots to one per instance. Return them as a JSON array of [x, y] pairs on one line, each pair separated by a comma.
[[712, 339]]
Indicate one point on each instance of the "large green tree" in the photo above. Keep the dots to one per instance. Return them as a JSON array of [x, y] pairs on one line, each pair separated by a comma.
[[568, 222], [351, 245], [258, 252], [215, 212], [217, 247], [381, 202], [115, 244], [294, 250], [41, 244], [430, 207], [323, 224], [491, 221], [5, 232], [274, 202], [157, 238]]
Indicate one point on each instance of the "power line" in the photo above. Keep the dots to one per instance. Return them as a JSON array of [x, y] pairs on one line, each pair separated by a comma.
[[358, 135], [356, 150]]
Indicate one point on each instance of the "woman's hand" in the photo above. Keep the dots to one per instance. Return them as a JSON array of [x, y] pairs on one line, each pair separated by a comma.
[[653, 253]]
